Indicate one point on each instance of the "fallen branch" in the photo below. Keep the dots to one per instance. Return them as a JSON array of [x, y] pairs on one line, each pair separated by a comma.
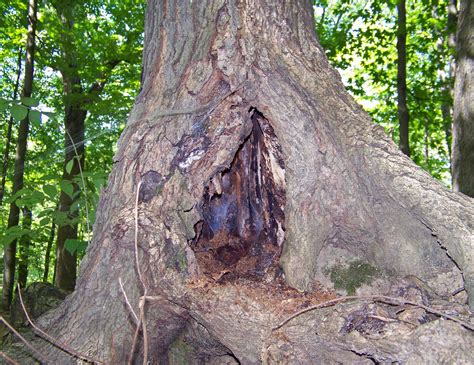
[[8, 359], [51, 339], [130, 308], [375, 298], [36, 353], [142, 302]]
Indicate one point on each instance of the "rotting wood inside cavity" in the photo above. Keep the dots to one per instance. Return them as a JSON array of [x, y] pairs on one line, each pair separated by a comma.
[[242, 228]]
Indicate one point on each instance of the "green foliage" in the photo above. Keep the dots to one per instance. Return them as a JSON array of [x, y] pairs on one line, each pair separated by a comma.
[[75, 246], [360, 41], [104, 34]]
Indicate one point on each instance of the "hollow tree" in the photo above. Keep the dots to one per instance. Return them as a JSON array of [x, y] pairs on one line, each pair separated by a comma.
[[245, 167]]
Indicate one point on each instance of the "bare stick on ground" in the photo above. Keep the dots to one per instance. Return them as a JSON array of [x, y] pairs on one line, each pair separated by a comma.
[[374, 298], [34, 351], [50, 339]]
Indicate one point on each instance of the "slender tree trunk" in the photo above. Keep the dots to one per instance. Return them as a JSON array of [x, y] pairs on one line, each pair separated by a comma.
[[403, 114], [74, 120], [245, 171], [6, 152], [47, 255], [25, 244], [447, 105], [76, 100], [13, 218], [463, 123]]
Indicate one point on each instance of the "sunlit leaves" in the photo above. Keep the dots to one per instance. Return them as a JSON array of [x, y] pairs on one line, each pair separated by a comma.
[[50, 191], [69, 166], [103, 32], [29, 101], [75, 246], [360, 37], [19, 112]]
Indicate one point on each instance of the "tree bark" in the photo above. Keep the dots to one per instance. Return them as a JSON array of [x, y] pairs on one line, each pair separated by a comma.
[[74, 119], [245, 170], [463, 122], [47, 255], [403, 114], [21, 146], [25, 244], [6, 152]]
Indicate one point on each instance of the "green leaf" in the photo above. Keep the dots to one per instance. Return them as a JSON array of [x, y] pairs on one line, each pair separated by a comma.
[[67, 187], [50, 190], [69, 165], [29, 101], [35, 117], [98, 183], [45, 213], [4, 104], [50, 115], [12, 234], [30, 200], [19, 112], [45, 221], [61, 218], [75, 246]]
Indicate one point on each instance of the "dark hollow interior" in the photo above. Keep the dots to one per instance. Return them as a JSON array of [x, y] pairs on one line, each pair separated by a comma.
[[242, 228]]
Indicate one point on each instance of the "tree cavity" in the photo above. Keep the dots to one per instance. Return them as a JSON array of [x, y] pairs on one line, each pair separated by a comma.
[[242, 228]]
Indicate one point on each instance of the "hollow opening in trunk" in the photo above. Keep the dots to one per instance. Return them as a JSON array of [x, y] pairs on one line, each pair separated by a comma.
[[243, 223]]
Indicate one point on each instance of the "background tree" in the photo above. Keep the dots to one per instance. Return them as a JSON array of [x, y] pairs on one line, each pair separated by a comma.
[[463, 129], [403, 113], [21, 147], [8, 137], [359, 38], [110, 29]]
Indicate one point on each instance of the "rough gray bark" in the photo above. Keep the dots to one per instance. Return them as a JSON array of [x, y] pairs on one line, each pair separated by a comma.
[[9, 252], [463, 121], [241, 115]]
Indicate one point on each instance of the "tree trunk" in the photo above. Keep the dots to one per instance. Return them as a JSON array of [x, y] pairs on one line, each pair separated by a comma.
[[447, 104], [47, 255], [76, 99], [463, 121], [14, 215], [25, 243], [74, 120], [245, 167], [403, 115], [6, 152]]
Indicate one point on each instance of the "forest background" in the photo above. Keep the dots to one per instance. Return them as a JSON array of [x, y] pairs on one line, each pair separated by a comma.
[[87, 62]]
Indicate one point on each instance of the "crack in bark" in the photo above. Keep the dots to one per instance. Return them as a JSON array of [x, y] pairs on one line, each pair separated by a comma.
[[242, 226]]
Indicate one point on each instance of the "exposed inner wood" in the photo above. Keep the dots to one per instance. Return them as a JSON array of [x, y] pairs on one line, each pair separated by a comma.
[[242, 229]]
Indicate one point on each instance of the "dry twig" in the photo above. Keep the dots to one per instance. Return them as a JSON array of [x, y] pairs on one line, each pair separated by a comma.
[[142, 320], [8, 359], [51, 339], [375, 298], [36, 353], [130, 308]]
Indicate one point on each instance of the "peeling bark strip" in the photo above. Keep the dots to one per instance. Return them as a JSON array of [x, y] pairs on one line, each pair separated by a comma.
[[242, 229], [243, 132]]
